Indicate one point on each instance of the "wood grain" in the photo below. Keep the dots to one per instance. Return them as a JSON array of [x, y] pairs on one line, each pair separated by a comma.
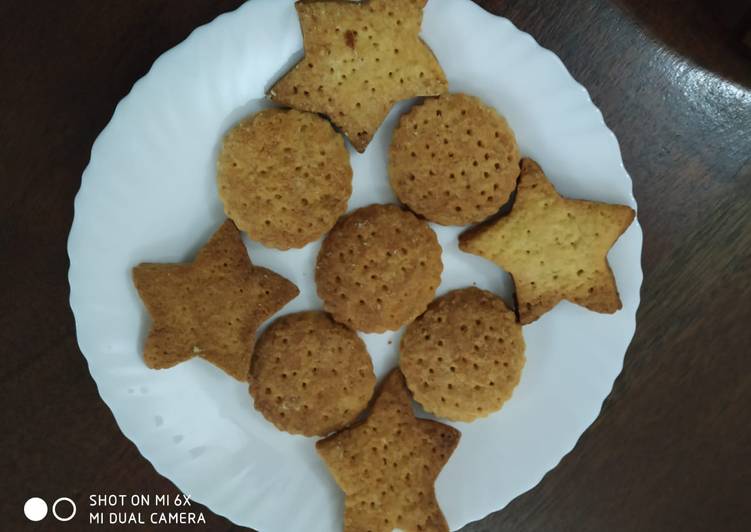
[[672, 447]]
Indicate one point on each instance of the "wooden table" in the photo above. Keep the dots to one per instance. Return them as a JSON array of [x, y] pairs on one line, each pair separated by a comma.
[[672, 447]]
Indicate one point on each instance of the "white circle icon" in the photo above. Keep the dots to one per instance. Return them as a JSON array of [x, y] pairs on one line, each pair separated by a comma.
[[72, 512], [35, 509]]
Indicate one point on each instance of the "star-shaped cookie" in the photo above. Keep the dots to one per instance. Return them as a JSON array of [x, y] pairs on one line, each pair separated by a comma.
[[209, 308], [360, 58], [387, 465], [554, 248]]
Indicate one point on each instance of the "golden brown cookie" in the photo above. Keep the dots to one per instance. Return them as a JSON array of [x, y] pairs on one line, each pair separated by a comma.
[[378, 268], [284, 177], [554, 248], [388, 464], [211, 307], [360, 58], [463, 358], [310, 375], [454, 160]]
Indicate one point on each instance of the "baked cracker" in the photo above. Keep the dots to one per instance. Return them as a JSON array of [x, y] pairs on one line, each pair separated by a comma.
[[387, 465], [379, 268], [453, 160], [284, 177], [211, 307], [464, 356], [310, 375], [360, 59], [554, 248]]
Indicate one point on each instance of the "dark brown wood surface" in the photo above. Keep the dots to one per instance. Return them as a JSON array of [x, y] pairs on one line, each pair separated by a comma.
[[671, 450]]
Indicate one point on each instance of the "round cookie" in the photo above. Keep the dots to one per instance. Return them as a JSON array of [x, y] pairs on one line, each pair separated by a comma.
[[454, 160], [284, 177], [463, 358], [378, 268], [310, 375]]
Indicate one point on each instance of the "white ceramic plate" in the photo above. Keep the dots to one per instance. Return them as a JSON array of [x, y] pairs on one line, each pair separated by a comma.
[[148, 194]]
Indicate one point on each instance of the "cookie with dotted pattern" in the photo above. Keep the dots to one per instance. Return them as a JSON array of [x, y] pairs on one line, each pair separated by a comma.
[[379, 268], [454, 160], [464, 356], [284, 177], [310, 375]]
